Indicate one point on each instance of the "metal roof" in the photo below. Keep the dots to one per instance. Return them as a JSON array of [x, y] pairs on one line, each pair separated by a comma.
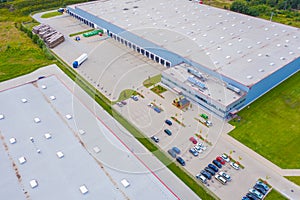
[[243, 48]]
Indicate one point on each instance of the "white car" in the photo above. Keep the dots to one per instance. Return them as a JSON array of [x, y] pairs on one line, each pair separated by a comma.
[[201, 178], [225, 157], [221, 179], [234, 165], [256, 193], [226, 176]]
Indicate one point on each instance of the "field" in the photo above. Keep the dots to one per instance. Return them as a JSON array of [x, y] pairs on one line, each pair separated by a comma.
[[18, 54], [271, 125], [295, 179]]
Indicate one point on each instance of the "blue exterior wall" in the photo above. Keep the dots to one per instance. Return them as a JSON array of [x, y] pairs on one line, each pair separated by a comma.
[[272, 80]]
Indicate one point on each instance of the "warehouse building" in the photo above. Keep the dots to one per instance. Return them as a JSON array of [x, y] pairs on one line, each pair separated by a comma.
[[238, 57]]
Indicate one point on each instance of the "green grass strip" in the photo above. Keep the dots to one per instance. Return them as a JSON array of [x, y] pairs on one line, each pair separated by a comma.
[[51, 14], [294, 179]]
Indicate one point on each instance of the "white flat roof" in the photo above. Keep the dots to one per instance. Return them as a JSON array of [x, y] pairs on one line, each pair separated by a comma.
[[216, 90], [241, 47]]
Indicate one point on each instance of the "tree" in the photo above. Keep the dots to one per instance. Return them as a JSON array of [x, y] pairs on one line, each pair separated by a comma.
[[240, 6]]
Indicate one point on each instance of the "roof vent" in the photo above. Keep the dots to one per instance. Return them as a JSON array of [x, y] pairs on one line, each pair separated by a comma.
[[266, 29], [249, 27], [233, 25], [272, 64], [239, 52], [291, 53], [231, 33], [275, 34], [219, 48], [259, 42], [204, 35], [283, 30], [249, 47], [287, 41], [282, 58], [294, 36], [259, 54], [240, 40], [229, 44], [1, 116], [249, 77], [211, 41], [249, 60], [216, 62], [261, 70], [228, 57], [278, 45], [12, 140], [207, 53], [267, 38], [221, 37]]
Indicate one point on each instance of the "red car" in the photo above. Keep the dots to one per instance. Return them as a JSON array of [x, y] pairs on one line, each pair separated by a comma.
[[221, 160], [193, 140]]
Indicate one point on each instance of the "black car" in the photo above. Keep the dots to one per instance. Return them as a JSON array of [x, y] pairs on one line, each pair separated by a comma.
[[260, 188], [209, 170], [213, 167], [168, 122], [251, 196], [206, 174], [217, 163], [168, 132], [180, 160]]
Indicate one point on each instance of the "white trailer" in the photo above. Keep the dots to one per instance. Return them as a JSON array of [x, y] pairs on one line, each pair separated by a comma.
[[80, 60]]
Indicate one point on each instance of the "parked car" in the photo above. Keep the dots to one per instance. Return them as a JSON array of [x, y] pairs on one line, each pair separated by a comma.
[[213, 167], [155, 139], [193, 151], [135, 98], [201, 178], [206, 174], [226, 176], [193, 140], [168, 122], [217, 163], [225, 157], [119, 104], [234, 165], [208, 123], [209, 170], [263, 184], [221, 179], [123, 102], [260, 189], [180, 160], [256, 193], [176, 149], [168, 132], [251, 196], [221, 160], [172, 153], [245, 198]]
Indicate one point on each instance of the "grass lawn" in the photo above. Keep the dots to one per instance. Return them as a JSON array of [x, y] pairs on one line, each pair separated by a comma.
[[81, 32], [275, 195], [51, 14], [158, 89], [271, 125], [295, 179], [18, 54], [152, 80]]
